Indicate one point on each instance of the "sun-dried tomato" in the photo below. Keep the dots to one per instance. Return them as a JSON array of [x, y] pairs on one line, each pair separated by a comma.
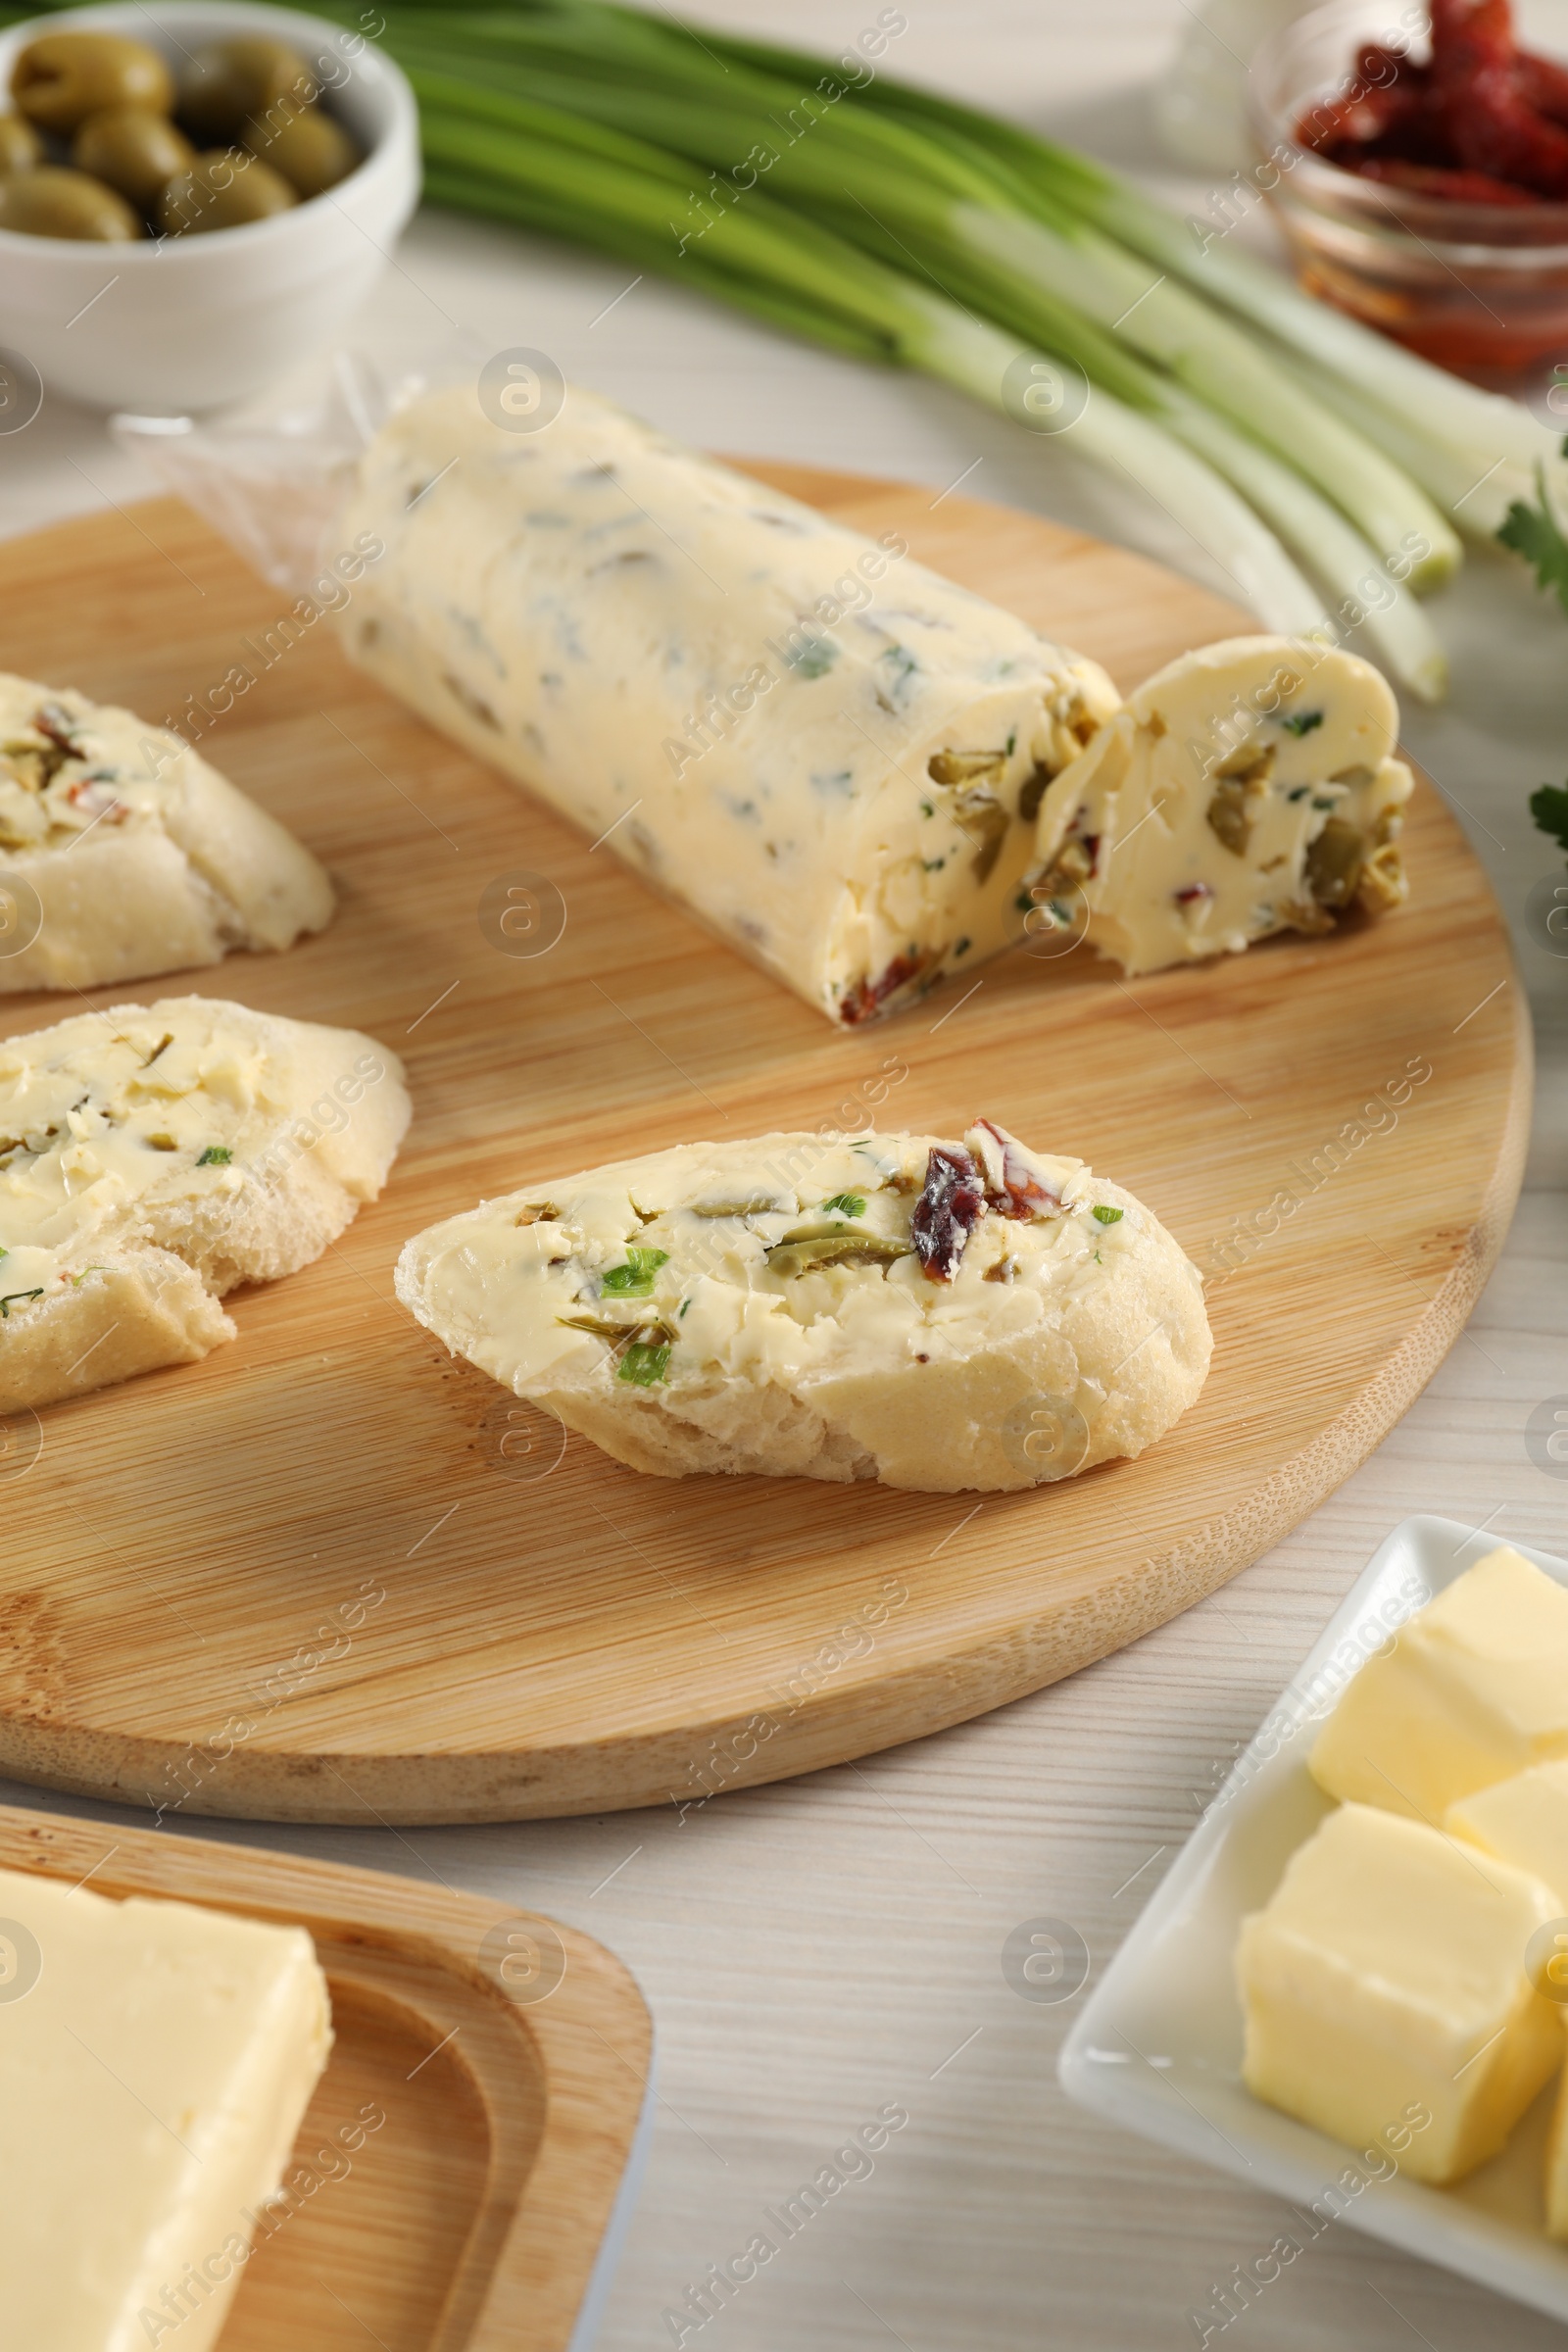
[[864, 999], [1499, 133], [1484, 119], [950, 1205], [1479, 95], [1021, 1192], [1545, 84], [1360, 117]]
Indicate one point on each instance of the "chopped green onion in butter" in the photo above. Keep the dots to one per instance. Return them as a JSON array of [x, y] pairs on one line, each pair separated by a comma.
[[635, 1279]]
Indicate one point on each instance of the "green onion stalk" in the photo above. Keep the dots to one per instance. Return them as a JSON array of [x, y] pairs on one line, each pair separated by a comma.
[[489, 150], [502, 155], [894, 225], [1473, 450], [958, 234]]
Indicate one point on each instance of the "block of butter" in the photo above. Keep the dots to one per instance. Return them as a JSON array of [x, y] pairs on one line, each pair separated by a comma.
[[156, 2062], [1523, 1821], [1473, 1690], [1384, 1988]]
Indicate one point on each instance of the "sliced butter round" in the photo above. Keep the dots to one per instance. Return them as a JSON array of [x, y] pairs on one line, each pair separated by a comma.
[[1249, 787]]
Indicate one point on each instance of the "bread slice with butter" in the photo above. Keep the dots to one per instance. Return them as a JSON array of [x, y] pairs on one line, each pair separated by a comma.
[[124, 854], [1248, 788], [153, 1156], [156, 2062], [935, 1314]]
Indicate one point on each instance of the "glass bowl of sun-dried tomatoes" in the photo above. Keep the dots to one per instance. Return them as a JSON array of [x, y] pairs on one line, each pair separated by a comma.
[[1418, 163]]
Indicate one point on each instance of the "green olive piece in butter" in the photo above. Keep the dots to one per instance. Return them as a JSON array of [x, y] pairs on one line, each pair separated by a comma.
[[228, 84], [20, 148], [310, 151], [63, 78], [133, 150], [54, 203], [224, 188]]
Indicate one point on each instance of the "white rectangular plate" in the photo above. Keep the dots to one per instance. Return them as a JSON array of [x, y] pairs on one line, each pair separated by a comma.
[[1158, 2047]]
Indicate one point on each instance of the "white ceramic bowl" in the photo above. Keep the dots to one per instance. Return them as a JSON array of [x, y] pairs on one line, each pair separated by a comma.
[[189, 323], [1158, 2047]]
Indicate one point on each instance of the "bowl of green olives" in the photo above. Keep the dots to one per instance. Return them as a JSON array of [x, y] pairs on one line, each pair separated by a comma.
[[194, 195]]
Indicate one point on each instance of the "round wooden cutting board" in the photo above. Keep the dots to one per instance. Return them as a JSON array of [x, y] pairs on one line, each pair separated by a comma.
[[332, 1575]]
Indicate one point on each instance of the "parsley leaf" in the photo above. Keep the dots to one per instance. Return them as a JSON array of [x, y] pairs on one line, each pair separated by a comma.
[[643, 1365], [1109, 1217], [1302, 723], [1534, 533], [1549, 808], [851, 1204], [215, 1156]]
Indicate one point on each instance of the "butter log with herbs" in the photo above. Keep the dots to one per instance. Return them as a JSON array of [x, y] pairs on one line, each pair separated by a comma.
[[833, 757]]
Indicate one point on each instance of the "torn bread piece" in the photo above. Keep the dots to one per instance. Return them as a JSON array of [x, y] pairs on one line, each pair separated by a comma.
[[123, 853], [1248, 788], [155, 1155], [938, 1315]]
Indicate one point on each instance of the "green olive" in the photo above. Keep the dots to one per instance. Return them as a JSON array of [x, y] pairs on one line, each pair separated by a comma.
[[21, 147], [229, 83], [223, 188], [63, 78], [134, 151], [310, 149], [54, 203]]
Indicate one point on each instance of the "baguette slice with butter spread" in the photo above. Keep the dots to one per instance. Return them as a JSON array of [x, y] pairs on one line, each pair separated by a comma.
[[153, 1156], [938, 1315], [123, 853]]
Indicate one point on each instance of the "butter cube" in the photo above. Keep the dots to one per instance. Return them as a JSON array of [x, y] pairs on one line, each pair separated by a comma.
[[1385, 1996], [1472, 1691], [1523, 1821], [156, 2061]]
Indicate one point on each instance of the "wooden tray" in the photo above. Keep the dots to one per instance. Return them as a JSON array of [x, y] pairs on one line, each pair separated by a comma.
[[471, 2218], [324, 1577]]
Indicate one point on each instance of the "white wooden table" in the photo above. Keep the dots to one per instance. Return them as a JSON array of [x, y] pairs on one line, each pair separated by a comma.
[[816, 1952]]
